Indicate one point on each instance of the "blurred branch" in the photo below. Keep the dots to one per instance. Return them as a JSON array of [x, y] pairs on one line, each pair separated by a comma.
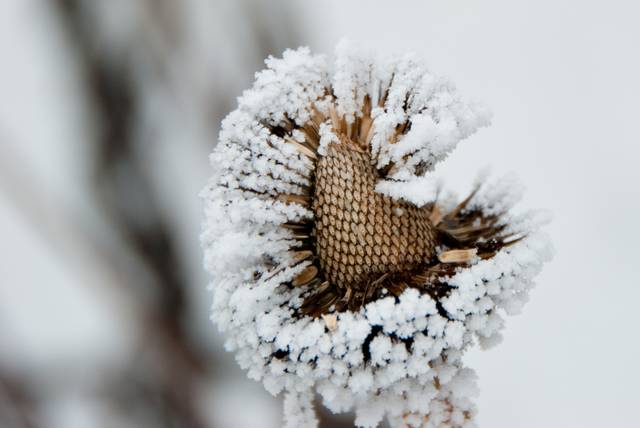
[[20, 403], [112, 88], [56, 222]]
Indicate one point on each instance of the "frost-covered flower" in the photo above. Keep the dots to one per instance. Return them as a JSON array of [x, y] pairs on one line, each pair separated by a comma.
[[338, 265]]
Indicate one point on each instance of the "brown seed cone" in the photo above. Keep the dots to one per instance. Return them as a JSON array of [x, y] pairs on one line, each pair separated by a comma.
[[361, 234]]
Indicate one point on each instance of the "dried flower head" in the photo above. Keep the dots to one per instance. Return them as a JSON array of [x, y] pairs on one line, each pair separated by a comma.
[[338, 264]]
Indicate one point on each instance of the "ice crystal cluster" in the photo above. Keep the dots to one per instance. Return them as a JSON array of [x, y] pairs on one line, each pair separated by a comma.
[[390, 346]]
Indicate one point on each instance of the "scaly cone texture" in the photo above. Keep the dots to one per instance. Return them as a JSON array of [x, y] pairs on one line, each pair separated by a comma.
[[340, 266], [361, 234]]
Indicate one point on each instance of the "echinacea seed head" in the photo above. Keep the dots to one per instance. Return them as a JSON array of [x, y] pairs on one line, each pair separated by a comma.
[[340, 266], [361, 234]]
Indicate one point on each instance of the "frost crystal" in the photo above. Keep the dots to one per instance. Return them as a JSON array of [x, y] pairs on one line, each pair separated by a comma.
[[325, 171]]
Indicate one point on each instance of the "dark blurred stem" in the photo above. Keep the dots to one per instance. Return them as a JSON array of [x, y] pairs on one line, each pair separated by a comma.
[[115, 100], [19, 400]]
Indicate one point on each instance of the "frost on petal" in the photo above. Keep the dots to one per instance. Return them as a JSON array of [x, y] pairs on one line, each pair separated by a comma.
[[327, 136], [498, 196], [353, 78], [421, 121], [288, 87], [419, 190], [370, 414], [298, 410]]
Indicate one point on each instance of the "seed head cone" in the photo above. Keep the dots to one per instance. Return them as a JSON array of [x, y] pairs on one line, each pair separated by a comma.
[[362, 234]]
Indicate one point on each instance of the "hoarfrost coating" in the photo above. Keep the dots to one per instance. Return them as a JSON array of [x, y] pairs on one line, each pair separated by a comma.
[[396, 356]]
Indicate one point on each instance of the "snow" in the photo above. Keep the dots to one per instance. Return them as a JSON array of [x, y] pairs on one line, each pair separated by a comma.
[[327, 136], [419, 190], [351, 78], [287, 88], [298, 410], [403, 355]]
